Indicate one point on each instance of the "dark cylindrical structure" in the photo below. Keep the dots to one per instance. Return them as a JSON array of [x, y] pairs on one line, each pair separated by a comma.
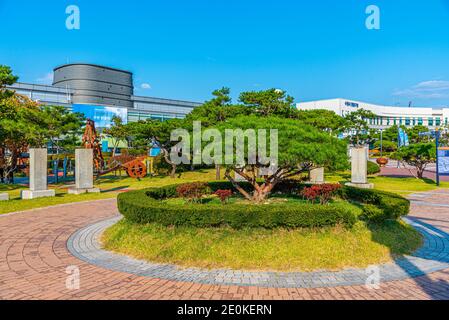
[[96, 85]]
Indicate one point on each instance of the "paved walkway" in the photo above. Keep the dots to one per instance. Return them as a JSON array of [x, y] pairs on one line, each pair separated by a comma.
[[34, 259], [433, 256]]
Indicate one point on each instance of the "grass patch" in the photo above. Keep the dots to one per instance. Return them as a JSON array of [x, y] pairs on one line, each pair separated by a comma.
[[402, 186], [110, 186], [260, 249]]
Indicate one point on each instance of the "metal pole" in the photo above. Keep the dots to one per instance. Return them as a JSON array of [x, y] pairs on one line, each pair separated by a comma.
[[437, 135], [381, 142]]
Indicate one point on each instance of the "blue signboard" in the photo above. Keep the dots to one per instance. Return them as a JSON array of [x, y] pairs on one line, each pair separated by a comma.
[[154, 152], [402, 138], [102, 115], [443, 161]]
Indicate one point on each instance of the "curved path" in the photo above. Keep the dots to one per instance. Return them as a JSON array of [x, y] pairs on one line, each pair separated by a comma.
[[35, 262]]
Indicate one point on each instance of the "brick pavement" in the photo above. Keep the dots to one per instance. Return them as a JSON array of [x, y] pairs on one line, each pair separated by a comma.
[[34, 258]]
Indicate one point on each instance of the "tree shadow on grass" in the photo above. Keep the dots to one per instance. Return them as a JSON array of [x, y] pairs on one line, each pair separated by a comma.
[[115, 189], [433, 256]]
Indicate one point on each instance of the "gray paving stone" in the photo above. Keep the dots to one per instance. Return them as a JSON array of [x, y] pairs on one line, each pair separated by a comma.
[[433, 256]]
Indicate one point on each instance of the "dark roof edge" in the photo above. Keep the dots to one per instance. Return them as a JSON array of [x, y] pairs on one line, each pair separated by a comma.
[[92, 65]]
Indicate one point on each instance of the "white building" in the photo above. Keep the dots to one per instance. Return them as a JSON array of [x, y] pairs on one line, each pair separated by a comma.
[[386, 115]]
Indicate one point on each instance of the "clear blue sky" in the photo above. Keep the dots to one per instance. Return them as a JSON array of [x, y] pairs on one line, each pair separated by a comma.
[[185, 49]]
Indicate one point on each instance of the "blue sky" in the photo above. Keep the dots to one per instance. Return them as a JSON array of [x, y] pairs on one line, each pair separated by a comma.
[[185, 49]]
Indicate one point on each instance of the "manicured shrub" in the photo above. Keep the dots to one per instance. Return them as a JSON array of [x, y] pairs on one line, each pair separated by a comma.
[[145, 206], [373, 168], [223, 195], [193, 192], [372, 213], [321, 192], [393, 205], [140, 207]]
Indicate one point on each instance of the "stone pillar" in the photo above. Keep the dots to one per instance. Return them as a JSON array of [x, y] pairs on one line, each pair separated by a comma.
[[4, 197], [316, 176], [84, 172], [359, 168], [38, 176]]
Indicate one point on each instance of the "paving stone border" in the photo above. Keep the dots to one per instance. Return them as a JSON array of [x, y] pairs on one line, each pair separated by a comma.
[[433, 256]]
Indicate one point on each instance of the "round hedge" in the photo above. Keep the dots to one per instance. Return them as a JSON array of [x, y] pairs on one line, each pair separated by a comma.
[[373, 168], [145, 206]]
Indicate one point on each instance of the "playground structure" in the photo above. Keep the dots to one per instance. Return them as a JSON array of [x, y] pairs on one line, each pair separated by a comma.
[[134, 166]]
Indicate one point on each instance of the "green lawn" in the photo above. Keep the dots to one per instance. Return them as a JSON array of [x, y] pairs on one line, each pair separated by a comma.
[[110, 186], [402, 186], [261, 249]]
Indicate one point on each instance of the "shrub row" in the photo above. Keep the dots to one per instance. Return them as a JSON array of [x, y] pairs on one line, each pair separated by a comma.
[[388, 205], [145, 206], [287, 187], [373, 168]]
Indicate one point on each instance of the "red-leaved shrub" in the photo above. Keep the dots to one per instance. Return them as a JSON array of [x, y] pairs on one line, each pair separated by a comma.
[[224, 195], [321, 192], [193, 192]]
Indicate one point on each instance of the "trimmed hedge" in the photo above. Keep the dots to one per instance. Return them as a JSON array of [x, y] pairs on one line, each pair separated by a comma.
[[373, 168], [145, 206], [392, 205]]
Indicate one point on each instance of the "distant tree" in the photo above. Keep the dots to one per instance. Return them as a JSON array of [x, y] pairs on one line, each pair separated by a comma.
[[388, 146], [357, 126], [324, 120], [418, 155], [62, 127], [217, 110], [158, 133], [19, 129], [272, 102], [413, 134], [119, 132], [6, 79]]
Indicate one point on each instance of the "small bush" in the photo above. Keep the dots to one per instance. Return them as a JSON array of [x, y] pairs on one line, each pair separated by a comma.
[[322, 192], [373, 168], [224, 195], [193, 192], [372, 213], [393, 205]]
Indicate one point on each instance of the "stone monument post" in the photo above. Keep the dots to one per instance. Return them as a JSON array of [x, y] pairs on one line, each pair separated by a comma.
[[359, 168], [4, 197], [38, 176], [84, 172], [316, 176]]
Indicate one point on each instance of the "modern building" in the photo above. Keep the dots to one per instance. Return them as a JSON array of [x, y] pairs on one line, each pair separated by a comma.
[[386, 116], [100, 93]]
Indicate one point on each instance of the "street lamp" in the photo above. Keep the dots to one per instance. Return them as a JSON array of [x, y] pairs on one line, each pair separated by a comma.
[[381, 143]]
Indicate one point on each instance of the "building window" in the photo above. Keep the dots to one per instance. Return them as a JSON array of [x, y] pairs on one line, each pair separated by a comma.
[[394, 121], [420, 121], [388, 121], [430, 120], [414, 121], [438, 121], [400, 120], [445, 121], [407, 121]]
